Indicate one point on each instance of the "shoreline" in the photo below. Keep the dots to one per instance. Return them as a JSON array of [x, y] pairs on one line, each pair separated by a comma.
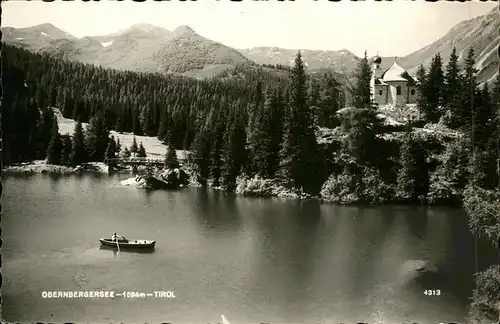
[[41, 167], [246, 187]]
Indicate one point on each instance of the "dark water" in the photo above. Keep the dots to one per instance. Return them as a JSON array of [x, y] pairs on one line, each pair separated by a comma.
[[253, 260]]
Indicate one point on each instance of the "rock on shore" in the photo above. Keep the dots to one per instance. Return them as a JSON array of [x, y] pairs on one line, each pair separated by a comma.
[[170, 178]]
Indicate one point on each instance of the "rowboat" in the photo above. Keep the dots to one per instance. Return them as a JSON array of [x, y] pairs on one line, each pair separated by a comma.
[[124, 243]]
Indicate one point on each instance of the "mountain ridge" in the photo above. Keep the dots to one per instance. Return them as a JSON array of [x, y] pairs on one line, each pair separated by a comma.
[[148, 48]]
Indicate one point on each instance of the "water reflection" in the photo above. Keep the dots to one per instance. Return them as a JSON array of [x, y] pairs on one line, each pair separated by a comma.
[[126, 250], [217, 212], [417, 220]]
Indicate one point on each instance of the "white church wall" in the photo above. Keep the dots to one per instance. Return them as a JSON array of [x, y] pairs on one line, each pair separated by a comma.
[[380, 94], [394, 97]]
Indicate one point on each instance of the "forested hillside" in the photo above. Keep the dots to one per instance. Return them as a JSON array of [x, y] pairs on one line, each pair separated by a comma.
[[265, 122]]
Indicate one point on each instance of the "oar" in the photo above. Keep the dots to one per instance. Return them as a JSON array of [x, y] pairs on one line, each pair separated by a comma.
[[118, 245]]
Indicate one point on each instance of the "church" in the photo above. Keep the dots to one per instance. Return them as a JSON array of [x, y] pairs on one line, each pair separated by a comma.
[[392, 86]]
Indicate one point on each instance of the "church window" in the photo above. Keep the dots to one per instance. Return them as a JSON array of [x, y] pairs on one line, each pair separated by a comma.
[[412, 92], [380, 92], [398, 90]]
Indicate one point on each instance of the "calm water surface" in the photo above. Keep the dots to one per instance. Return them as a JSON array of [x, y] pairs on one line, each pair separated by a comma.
[[253, 260]]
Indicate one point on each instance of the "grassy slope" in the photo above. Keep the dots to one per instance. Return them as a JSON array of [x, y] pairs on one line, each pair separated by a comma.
[[154, 148]]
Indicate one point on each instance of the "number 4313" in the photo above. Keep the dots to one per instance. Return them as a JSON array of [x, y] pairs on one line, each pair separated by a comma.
[[432, 292]]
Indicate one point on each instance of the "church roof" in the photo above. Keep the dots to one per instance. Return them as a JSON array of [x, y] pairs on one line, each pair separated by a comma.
[[380, 82], [396, 73]]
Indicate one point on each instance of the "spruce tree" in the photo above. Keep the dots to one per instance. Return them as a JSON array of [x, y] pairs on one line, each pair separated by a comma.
[[421, 76], [468, 91], [200, 156], [166, 125], [118, 147], [259, 140], [313, 95], [45, 130], [276, 125], [54, 151], [67, 146], [126, 153], [133, 147], [434, 89], [361, 92], [136, 123], [79, 151], [452, 89], [300, 149], [110, 150], [215, 157], [233, 151], [171, 161], [329, 101], [141, 151], [97, 137]]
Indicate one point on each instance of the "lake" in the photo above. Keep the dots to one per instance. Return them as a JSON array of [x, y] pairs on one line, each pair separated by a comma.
[[254, 260]]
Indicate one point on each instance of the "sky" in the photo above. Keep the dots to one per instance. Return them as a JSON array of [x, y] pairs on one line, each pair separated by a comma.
[[394, 28]]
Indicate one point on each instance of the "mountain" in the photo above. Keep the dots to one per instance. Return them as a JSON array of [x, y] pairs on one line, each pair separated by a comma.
[[35, 37], [142, 48], [148, 48], [342, 61], [481, 33]]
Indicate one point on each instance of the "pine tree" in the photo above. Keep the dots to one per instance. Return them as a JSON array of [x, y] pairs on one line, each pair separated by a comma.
[[421, 76], [45, 128], [200, 157], [118, 146], [468, 91], [313, 95], [136, 123], [262, 148], [171, 161], [141, 152], [67, 146], [97, 137], [452, 89], [110, 150], [79, 151], [126, 153], [361, 92], [215, 156], [54, 151], [329, 101], [133, 147], [276, 129], [434, 88], [300, 149], [233, 151], [164, 125], [484, 118]]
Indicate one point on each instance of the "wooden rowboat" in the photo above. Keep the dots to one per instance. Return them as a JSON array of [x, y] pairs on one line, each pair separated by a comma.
[[125, 243]]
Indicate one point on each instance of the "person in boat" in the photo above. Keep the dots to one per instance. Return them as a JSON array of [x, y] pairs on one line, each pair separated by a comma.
[[118, 237]]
